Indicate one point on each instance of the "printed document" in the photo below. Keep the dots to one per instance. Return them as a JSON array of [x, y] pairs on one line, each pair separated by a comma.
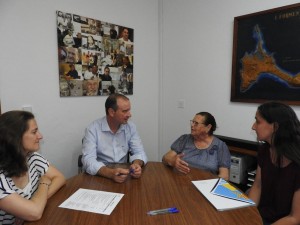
[[93, 201]]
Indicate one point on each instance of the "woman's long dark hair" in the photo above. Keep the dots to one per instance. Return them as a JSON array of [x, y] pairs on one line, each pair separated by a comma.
[[286, 137], [13, 125]]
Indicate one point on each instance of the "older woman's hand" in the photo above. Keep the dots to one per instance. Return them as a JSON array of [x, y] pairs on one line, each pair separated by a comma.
[[181, 165]]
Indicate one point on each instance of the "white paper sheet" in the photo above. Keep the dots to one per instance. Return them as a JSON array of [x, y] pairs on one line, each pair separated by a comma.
[[93, 201]]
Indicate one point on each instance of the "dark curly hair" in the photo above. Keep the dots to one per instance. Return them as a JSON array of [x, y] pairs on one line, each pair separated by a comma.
[[13, 125]]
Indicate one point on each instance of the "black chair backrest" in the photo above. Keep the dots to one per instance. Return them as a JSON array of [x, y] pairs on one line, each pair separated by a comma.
[[80, 165]]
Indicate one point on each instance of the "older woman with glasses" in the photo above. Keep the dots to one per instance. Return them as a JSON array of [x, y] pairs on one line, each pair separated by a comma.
[[200, 149]]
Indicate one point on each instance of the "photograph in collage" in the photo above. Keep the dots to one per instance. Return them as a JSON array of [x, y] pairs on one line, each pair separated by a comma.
[[95, 57]]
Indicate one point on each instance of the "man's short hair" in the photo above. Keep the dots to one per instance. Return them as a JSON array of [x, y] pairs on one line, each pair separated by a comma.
[[111, 101]]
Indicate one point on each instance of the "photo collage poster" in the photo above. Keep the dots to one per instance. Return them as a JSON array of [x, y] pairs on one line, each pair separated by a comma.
[[95, 57]]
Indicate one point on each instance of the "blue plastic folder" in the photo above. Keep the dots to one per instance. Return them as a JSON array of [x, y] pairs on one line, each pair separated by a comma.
[[222, 195], [227, 190]]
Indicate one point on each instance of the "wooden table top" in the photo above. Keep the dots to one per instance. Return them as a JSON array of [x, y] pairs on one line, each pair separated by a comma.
[[159, 187]]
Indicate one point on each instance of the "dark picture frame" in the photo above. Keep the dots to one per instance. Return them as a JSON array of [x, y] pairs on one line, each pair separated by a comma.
[[266, 56], [95, 58]]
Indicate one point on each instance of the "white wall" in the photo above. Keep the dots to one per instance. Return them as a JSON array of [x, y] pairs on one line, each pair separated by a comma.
[[29, 71], [193, 64], [197, 58]]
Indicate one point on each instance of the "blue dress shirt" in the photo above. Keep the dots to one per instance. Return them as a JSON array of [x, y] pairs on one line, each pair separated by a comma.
[[101, 146]]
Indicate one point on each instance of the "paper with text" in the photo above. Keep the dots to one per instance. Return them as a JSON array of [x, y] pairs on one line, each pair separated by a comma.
[[93, 201]]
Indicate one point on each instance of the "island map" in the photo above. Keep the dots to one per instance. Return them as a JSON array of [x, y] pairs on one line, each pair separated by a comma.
[[259, 63], [266, 63]]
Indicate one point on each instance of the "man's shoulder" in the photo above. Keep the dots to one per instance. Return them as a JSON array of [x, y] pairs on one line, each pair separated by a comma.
[[129, 126], [97, 122]]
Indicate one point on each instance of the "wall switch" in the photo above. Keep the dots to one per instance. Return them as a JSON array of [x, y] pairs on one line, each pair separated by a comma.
[[181, 103]]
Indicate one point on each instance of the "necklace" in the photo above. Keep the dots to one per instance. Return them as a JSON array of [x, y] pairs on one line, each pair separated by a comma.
[[204, 142]]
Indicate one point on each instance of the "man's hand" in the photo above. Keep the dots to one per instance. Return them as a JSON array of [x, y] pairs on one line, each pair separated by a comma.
[[120, 175], [135, 170]]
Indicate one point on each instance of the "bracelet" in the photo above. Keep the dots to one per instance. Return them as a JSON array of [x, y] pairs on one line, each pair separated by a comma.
[[45, 184]]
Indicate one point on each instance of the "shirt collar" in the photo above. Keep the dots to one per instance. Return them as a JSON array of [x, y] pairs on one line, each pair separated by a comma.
[[105, 127]]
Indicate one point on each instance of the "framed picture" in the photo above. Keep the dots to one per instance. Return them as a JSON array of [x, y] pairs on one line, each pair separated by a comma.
[[266, 56], [91, 53]]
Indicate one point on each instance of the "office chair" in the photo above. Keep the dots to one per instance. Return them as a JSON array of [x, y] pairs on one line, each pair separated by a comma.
[[80, 165]]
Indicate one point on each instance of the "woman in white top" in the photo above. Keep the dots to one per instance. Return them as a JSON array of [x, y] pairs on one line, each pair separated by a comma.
[[27, 179]]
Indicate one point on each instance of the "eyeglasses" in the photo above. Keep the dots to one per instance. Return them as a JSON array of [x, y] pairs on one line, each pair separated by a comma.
[[193, 122]]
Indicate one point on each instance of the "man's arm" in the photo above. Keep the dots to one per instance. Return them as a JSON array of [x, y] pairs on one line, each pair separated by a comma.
[[137, 151], [89, 152]]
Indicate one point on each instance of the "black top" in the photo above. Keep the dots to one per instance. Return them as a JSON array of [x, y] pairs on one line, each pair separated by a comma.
[[278, 186]]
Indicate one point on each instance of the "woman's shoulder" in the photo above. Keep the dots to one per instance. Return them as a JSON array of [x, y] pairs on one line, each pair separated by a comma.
[[36, 158], [183, 139], [35, 155], [217, 141], [186, 137], [181, 142], [2, 176], [296, 167], [263, 149], [5, 185], [37, 163]]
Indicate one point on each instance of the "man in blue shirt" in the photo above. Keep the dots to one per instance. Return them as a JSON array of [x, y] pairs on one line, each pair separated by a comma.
[[110, 139]]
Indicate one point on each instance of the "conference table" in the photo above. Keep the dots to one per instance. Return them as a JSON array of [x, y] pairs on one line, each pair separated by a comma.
[[159, 187]]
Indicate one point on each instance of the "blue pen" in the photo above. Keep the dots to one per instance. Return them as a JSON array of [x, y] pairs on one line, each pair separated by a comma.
[[131, 170], [163, 211]]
